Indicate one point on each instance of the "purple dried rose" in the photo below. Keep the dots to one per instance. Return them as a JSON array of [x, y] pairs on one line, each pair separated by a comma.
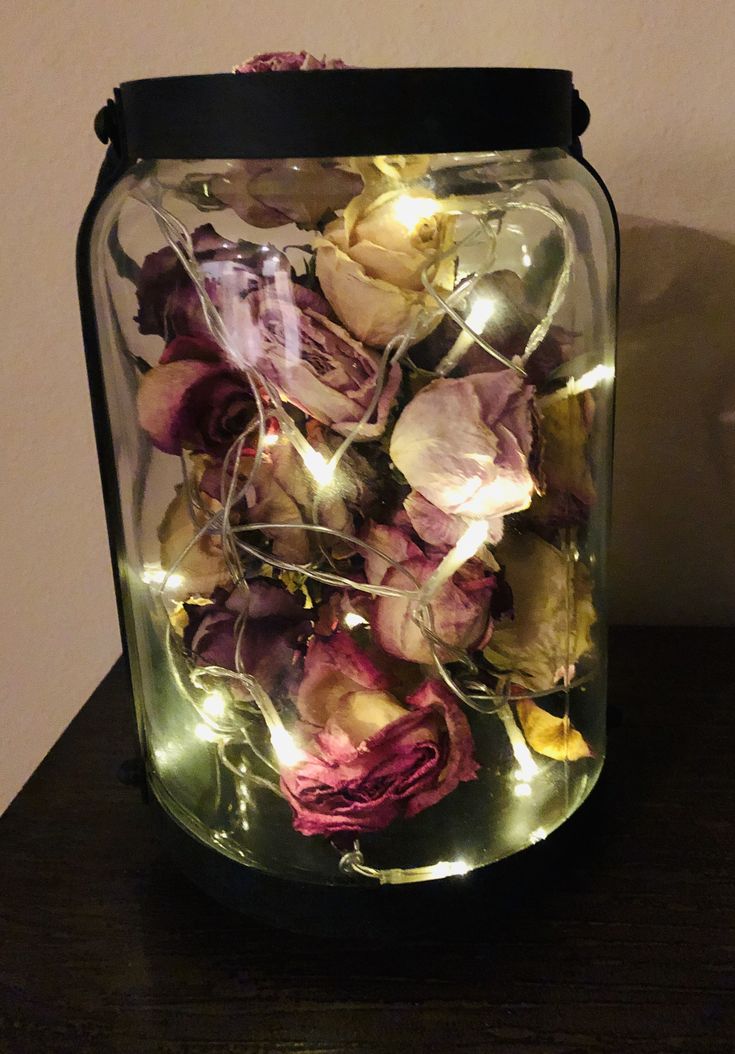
[[282, 330], [193, 400], [270, 645], [511, 321], [371, 760], [278, 61], [168, 302], [462, 609], [464, 444]]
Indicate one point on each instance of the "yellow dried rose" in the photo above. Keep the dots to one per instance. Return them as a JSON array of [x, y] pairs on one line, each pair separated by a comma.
[[569, 490], [203, 566], [371, 260], [553, 614]]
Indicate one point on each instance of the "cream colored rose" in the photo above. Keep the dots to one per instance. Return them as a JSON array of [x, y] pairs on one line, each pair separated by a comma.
[[203, 566], [371, 260], [553, 614]]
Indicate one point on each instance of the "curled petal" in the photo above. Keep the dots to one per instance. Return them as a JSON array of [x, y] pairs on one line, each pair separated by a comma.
[[554, 737]]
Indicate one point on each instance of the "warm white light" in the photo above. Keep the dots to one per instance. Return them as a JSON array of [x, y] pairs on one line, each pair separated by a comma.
[[352, 619], [271, 439], [153, 574], [482, 311], [448, 868], [214, 705], [285, 748], [527, 767], [507, 494], [321, 469], [522, 790], [591, 379], [205, 733], [471, 541], [409, 210], [538, 835], [526, 260], [465, 548]]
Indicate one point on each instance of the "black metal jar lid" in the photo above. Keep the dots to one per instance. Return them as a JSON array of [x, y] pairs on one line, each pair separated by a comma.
[[326, 113]]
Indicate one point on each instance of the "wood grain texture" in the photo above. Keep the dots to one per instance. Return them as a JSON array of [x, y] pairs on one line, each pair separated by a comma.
[[629, 946]]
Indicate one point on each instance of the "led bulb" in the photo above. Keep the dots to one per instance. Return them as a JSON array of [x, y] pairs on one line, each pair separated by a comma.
[[155, 575], [449, 868], [481, 312], [214, 705], [471, 541], [410, 210], [285, 747], [591, 379], [205, 733], [321, 469]]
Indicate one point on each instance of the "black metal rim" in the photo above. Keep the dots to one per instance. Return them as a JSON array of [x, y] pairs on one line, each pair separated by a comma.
[[328, 113]]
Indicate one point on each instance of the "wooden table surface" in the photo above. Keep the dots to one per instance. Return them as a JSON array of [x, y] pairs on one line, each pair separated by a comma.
[[629, 946]]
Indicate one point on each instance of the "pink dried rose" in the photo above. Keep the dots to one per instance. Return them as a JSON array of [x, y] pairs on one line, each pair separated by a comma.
[[464, 444], [278, 61], [193, 400], [168, 302], [283, 331], [462, 608], [510, 321], [269, 648], [371, 759]]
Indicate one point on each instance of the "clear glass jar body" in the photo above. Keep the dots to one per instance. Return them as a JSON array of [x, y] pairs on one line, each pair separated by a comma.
[[361, 411]]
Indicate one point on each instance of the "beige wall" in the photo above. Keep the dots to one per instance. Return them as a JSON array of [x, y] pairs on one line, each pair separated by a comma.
[[659, 77]]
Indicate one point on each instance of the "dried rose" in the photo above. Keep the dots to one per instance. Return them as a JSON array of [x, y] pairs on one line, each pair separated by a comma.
[[202, 567], [284, 491], [370, 264], [192, 400], [271, 61], [553, 613], [500, 299], [461, 608], [371, 760], [569, 494], [285, 190], [269, 645], [168, 301], [464, 444], [283, 332]]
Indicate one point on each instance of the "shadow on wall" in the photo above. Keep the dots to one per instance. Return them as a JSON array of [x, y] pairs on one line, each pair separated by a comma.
[[672, 557]]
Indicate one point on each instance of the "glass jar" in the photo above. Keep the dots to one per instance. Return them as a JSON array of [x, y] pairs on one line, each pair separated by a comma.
[[352, 380]]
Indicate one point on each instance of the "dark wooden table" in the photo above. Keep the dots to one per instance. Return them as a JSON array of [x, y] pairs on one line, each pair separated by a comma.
[[629, 946]]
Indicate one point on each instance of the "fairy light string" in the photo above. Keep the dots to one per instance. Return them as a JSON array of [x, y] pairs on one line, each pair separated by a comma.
[[232, 727]]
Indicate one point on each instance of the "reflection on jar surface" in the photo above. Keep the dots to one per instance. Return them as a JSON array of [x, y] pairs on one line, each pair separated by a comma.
[[361, 416]]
